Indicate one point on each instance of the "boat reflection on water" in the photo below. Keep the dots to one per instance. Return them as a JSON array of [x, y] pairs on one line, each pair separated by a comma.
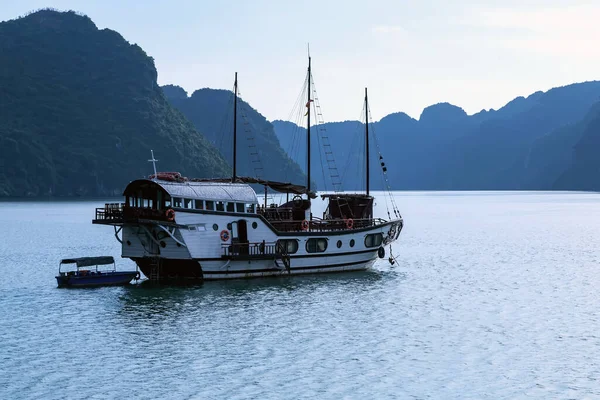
[[154, 301]]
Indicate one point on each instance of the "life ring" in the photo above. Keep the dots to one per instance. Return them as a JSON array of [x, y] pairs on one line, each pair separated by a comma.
[[170, 214], [224, 235], [381, 252], [137, 276], [305, 225], [349, 223]]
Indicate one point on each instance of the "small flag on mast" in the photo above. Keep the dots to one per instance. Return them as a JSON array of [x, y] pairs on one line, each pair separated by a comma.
[[308, 106]]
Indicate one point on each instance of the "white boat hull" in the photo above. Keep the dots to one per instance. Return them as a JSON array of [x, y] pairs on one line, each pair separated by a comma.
[[195, 249]]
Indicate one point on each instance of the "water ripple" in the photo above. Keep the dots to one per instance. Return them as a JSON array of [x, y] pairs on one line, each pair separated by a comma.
[[494, 298]]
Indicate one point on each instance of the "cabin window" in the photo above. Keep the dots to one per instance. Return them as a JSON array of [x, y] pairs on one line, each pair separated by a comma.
[[231, 207], [290, 245], [177, 202], [187, 203], [199, 205], [210, 205], [373, 240], [239, 207], [220, 206], [316, 245], [167, 202], [159, 197], [250, 208], [131, 201]]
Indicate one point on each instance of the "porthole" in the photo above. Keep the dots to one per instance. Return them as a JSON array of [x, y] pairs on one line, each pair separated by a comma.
[[163, 244], [254, 225], [351, 242], [128, 243], [178, 244], [215, 227], [229, 226], [339, 244]]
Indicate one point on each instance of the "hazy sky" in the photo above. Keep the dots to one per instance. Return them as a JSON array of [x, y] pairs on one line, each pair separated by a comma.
[[410, 54]]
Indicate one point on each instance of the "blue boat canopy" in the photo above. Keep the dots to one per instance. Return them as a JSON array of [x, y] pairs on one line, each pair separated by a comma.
[[89, 261]]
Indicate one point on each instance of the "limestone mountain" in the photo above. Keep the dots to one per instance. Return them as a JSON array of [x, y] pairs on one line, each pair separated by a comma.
[[80, 109], [259, 152]]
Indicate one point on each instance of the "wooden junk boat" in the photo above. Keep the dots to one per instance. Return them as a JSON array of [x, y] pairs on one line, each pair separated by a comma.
[[174, 227]]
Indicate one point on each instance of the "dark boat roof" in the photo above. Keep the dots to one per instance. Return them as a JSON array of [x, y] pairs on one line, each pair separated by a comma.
[[282, 187], [218, 189], [215, 191], [89, 261]]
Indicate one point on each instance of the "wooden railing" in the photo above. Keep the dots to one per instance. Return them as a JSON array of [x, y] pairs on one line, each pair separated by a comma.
[[119, 212], [251, 249], [110, 212], [325, 225], [276, 213]]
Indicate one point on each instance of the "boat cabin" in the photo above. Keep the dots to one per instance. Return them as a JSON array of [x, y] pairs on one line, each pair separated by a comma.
[[153, 198], [344, 206], [211, 196]]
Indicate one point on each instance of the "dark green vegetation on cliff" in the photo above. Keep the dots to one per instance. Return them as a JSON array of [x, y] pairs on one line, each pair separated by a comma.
[[211, 111], [527, 144], [80, 109]]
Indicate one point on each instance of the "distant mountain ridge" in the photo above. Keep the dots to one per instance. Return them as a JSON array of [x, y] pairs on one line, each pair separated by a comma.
[[446, 149], [80, 109]]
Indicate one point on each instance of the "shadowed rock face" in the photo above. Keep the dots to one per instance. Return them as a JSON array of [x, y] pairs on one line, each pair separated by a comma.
[[80, 109], [582, 171], [211, 112]]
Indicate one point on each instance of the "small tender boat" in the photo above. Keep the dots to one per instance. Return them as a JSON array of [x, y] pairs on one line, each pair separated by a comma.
[[82, 276]]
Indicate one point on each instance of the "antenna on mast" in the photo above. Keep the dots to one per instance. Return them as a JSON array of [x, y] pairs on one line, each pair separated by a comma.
[[235, 94], [153, 161]]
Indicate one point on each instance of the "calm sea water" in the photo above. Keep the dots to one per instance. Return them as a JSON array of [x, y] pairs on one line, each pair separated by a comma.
[[495, 296]]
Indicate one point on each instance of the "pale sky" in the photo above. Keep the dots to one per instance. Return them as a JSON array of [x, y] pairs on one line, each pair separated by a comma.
[[410, 54]]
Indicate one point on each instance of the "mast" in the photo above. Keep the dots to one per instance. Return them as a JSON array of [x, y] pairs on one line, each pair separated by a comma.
[[234, 128], [367, 136], [308, 131]]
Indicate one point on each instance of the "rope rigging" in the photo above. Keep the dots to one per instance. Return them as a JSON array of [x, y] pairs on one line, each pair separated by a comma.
[[298, 117], [226, 125], [387, 187], [325, 145], [255, 158]]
